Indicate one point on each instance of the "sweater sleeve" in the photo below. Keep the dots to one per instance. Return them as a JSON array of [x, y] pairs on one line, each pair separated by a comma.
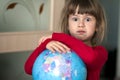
[[31, 59], [93, 58]]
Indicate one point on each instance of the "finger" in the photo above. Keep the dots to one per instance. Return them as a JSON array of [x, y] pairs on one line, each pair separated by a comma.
[[41, 40], [60, 47], [53, 46], [51, 49], [56, 48], [64, 46]]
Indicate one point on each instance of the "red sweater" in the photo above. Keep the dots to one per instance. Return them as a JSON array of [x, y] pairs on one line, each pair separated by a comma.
[[93, 57]]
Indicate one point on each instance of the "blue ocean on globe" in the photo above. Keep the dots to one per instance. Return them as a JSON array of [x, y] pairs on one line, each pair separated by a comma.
[[59, 66]]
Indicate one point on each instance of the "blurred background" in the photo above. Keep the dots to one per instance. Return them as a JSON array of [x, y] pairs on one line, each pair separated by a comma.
[[23, 22]]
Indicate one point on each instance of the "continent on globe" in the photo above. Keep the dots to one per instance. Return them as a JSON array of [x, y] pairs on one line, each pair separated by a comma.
[[59, 66]]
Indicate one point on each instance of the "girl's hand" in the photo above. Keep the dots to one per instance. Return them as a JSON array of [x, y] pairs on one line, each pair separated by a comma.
[[57, 46], [42, 39]]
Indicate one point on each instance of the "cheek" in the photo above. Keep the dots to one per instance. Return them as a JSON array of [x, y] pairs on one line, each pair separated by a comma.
[[70, 25], [92, 29], [71, 29]]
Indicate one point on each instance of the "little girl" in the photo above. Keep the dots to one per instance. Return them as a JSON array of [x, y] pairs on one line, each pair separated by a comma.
[[83, 25]]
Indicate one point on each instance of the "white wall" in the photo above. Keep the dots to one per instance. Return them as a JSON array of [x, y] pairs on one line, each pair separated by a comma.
[[25, 15], [29, 40]]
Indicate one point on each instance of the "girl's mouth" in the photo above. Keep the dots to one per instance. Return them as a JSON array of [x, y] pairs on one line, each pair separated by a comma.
[[81, 32]]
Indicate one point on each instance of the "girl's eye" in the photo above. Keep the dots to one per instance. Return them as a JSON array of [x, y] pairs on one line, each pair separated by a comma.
[[75, 19], [88, 19]]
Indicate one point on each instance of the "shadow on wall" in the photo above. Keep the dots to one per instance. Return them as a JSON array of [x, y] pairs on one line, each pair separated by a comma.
[[109, 70], [12, 66]]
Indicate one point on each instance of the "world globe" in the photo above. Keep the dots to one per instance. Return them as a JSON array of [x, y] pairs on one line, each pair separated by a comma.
[[59, 66]]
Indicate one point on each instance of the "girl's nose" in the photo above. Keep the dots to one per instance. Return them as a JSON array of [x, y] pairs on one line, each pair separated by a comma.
[[81, 24]]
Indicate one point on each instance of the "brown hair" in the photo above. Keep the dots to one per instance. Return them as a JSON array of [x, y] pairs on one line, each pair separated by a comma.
[[91, 7]]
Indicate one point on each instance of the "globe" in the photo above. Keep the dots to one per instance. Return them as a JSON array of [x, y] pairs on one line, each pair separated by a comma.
[[59, 66]]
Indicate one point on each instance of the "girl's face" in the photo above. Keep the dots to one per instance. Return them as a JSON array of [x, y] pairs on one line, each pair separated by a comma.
[[82, 27]]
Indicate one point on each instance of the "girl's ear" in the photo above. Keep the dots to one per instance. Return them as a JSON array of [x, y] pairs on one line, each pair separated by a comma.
[[96, 29]]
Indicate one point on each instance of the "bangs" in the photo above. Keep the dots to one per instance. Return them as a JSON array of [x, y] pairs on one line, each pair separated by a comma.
[[84, 7]]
